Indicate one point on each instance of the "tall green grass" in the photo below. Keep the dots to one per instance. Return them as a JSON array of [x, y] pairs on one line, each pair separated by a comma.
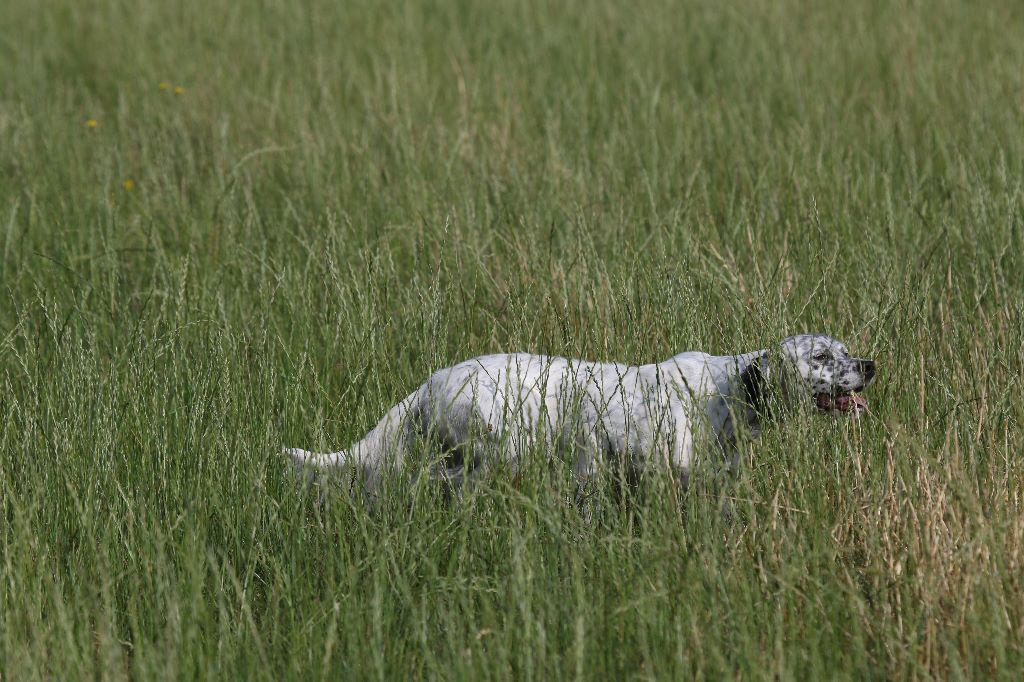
[[345, 196]]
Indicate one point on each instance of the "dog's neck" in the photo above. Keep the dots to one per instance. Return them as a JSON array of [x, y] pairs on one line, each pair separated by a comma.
[[752, 397], [745, 392], [755, 383]]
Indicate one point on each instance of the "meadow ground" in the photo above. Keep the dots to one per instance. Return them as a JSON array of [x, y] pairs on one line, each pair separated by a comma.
[[227, 226]]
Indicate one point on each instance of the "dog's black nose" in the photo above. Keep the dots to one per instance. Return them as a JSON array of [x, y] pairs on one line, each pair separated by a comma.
[[867, 368]]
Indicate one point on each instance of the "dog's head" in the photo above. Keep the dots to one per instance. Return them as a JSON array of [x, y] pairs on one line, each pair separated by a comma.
[[828, 374], [815, 367]]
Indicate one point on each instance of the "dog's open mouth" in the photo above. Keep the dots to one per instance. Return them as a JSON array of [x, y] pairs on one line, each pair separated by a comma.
[[845, 403]]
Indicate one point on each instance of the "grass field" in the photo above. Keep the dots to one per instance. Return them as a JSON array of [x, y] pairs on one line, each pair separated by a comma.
[[229, 226]]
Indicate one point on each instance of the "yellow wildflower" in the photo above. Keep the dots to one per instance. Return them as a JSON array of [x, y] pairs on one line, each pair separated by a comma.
[[178, 89], [92, 124], [164, 85], [128, 185]]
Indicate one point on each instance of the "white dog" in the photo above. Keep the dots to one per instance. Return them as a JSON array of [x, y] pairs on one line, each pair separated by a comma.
[[498, 407]]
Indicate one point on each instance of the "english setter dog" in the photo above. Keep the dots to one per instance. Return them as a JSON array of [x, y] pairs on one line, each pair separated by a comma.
[[498, 407]]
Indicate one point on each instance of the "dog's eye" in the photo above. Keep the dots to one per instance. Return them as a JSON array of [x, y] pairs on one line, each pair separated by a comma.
[[822, 356]]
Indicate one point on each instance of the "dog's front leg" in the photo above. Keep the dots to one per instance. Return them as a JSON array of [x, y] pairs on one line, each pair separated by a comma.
[[682, 456], [728, 474]]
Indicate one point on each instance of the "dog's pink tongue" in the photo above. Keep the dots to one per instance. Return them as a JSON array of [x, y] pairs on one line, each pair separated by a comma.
[[845, 403]]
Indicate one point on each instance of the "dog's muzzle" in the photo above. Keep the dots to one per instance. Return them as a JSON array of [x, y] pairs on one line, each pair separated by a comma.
[[842, 403], [847, 402]]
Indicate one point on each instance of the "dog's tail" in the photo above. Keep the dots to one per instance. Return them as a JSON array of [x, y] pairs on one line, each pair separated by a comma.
[[320, 460], [384, 446]]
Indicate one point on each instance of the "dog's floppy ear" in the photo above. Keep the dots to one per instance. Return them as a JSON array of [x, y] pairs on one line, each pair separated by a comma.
[[756, 387]]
